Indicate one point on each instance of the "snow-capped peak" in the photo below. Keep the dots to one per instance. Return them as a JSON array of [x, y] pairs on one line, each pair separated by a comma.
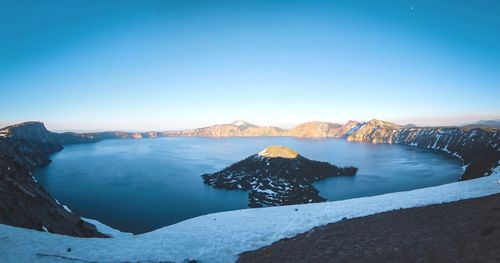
[[240, 123]]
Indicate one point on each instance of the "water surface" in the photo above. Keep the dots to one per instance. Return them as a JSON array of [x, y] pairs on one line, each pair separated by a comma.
[[141, 185]]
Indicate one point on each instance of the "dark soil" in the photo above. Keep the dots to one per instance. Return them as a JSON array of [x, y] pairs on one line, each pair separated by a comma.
[[463, 231]]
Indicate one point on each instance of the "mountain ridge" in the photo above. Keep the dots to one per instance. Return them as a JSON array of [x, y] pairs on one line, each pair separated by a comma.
[[23, 202], [487, 124], [477, 147], [25, 146]]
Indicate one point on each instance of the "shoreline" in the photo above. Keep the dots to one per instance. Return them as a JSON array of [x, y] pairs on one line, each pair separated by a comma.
[[211, 237], [28, 145]]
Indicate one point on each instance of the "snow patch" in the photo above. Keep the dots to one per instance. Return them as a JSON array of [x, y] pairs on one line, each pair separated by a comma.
[[239, 123], [222, 236], [267, 191], [107, 230], [263, 153], [67, 208], [437, 140]]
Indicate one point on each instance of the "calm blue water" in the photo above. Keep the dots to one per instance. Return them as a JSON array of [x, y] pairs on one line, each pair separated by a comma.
[[141, 185]]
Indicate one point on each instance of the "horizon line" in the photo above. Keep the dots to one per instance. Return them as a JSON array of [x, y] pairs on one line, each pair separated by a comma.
[[285, 127]]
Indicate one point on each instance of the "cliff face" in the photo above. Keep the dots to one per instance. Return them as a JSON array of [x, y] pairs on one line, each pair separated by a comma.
[[313, 130], [243, 129], [235, 129], [375, 131], [477, 148], [345, 130], [23, 202], [71, 138], [26, 146]]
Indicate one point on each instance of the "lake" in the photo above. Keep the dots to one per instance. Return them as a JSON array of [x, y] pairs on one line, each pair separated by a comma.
[[141, 185]]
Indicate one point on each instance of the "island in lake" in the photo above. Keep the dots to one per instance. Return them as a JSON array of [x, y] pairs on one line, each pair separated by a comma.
[[276, 176]]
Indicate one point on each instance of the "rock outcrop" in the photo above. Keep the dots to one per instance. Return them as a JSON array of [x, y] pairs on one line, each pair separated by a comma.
[[235, 129], [375, 131], [25, 146], [23, 202], [314, 129], [276, 176], [479, 149], [345, 130]]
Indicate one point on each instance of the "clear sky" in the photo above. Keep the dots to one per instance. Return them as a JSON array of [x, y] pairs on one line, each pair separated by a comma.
[[159, 65]]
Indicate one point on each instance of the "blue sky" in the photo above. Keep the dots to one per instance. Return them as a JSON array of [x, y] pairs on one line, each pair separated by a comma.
[[155, 65]]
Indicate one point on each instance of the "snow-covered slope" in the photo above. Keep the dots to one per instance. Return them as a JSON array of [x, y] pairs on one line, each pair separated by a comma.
[[221, 237], [107, 230]]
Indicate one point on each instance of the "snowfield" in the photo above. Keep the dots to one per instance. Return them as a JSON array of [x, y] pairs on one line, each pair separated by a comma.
[[221, 237]]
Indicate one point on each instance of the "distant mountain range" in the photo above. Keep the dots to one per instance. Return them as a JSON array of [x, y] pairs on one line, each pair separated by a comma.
[[477, 147], [315, 129], [244, 129], [485, 124], [352, 130]]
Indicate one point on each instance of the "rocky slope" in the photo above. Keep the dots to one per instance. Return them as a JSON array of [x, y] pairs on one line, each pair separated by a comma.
[[26, 146], [375, 131], [462, 231], [235, 129], [23, 202], [479, 149], [345, 130], [315, 129], [276, 176]]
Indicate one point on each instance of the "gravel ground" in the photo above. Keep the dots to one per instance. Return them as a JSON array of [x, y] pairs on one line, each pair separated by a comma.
[[463, 231]]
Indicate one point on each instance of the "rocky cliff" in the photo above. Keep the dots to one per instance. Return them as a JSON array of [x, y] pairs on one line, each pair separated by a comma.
[[23, 147], [375, 131], [479, 149], [314, 129], [23, 202], [235, 129], [345, 130], [276, 176]]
